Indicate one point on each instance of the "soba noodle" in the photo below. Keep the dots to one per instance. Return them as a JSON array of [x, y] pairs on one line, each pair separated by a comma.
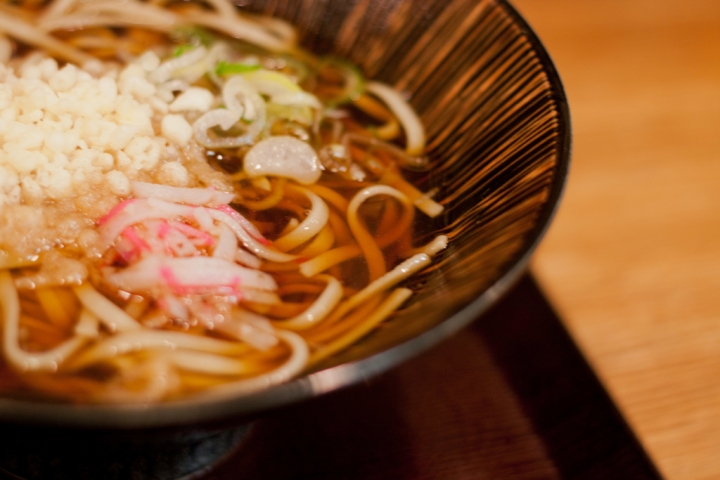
[[191, 203]]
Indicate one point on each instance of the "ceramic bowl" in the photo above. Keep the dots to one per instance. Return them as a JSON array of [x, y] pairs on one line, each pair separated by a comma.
[[499, 138]]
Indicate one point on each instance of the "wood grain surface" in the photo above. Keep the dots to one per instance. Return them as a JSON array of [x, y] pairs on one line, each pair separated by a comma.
[[632, 261]]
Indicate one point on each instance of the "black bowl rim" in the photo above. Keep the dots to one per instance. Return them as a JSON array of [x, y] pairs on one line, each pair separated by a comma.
[[194, 412]]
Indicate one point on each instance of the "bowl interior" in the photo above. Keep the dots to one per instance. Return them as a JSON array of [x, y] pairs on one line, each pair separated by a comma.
[[498, 130], [496, 120]]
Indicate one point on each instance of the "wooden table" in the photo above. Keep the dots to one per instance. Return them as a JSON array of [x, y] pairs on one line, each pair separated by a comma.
[[632, 261]]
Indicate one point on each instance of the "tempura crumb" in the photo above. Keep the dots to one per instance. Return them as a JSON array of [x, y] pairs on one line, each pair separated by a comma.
[[80, 136]]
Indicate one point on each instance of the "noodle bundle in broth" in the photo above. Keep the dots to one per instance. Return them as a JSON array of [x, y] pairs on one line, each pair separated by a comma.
[[191, 203]]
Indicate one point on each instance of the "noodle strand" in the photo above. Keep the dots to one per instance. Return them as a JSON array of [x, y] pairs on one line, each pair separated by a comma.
[[387, 307]]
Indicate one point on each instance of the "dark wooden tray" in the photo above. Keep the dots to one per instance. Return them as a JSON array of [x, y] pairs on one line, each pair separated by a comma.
[[509, 397]]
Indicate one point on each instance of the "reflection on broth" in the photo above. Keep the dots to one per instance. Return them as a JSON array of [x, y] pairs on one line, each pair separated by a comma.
[[192, 204]]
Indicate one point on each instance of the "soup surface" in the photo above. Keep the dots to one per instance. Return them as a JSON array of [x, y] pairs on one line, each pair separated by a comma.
[[191, 204]]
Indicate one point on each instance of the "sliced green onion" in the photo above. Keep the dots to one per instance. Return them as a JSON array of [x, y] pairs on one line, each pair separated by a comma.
[[182, 49], [225, 68]]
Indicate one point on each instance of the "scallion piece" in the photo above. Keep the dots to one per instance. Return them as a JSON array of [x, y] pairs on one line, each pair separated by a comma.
[[182, 49], [225, 68]]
